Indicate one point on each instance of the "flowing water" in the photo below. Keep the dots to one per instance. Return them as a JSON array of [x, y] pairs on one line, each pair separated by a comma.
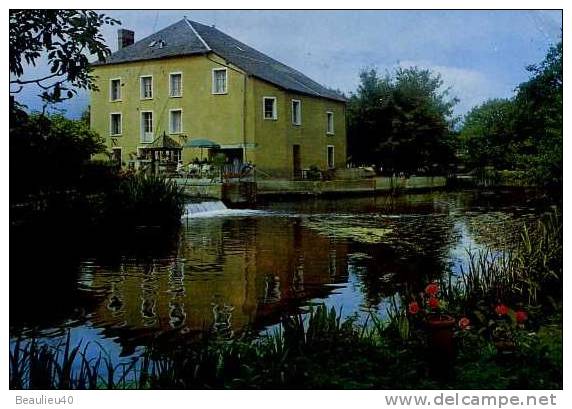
[[236, 269]]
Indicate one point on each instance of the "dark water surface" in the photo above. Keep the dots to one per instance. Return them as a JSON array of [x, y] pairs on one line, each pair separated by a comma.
[[238, 269]]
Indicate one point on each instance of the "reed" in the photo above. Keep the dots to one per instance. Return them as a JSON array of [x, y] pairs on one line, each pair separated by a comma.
[[530, 273], [144, 200]]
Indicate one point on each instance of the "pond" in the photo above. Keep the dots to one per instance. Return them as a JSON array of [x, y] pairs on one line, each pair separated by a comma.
[[233, 269]]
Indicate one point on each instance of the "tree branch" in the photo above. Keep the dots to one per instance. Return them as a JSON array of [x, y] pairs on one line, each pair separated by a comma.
[[17, 91], [37, 81]]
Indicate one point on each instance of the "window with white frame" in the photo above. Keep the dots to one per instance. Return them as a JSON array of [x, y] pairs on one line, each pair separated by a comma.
[[146, 126], [269, 107], [330, 123], [115, 89], [147, 87], [220, 81], [115, 124], [330, 157], [176, 121], [175, 84], [296, 112]]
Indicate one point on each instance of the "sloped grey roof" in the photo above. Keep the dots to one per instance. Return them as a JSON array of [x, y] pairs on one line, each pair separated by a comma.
[[188, 37]]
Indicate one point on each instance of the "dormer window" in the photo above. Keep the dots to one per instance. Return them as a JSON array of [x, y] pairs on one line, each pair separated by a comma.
[[157, 43]]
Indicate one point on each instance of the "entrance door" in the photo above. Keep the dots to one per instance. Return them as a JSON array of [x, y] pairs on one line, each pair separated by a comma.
[[296, 162]]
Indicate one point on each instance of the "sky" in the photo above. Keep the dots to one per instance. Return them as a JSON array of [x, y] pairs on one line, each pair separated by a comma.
[[479, 54]]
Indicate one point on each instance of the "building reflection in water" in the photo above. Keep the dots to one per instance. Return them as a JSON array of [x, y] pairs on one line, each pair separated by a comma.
[[228, 274]]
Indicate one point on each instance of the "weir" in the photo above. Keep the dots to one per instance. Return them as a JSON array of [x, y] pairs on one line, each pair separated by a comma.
[[203, 207], [245, 193]]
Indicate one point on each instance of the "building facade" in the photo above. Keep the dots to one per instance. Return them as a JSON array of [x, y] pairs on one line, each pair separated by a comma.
[[193, 82]]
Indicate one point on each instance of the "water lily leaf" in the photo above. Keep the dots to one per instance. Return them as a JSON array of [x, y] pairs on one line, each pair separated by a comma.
[[340, 228]]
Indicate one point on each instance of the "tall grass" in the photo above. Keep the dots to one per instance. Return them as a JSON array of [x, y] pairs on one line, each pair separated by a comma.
[[63, 366], [530, 273], [144, 200], [278, 359]]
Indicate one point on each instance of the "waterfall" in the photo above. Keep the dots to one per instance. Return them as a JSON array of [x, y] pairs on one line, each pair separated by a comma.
[[194, 208], [217, 209]]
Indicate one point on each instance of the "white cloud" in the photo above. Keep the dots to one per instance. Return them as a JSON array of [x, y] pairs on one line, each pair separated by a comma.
[[481, 54], [472, 87]]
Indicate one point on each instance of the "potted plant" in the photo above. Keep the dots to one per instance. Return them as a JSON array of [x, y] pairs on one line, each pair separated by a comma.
[[439, 326]]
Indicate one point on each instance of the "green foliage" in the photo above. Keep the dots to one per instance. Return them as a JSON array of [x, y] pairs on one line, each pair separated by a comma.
[[535, 364], [529, 274], [539, 121], [144, 200], [48, 152], [317, 350], [522, 133], [64, 366], [56, 187], [487, 136], [402, 121], [65, 38]]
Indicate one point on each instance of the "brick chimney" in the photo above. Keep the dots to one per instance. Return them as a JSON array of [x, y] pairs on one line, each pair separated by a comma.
[[124, 38]]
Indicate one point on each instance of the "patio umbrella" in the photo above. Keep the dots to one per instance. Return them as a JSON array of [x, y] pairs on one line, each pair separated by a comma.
[[201, 143]]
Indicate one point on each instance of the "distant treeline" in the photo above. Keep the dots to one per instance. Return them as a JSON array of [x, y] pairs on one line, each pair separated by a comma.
[[403, 121]]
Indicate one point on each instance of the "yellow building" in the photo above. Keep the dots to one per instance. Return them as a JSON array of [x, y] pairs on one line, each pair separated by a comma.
[[190, 81]]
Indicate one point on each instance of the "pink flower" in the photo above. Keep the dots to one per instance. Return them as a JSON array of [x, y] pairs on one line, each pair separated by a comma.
[[464, 323], [520, 316], [501, 309], [413, 307], [432, 289], [433, 303]]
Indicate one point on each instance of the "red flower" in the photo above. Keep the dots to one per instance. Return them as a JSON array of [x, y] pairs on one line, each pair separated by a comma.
[[520, 316], [413, 307], [433, 302], [432, 289], [464, 323], [501, 309]]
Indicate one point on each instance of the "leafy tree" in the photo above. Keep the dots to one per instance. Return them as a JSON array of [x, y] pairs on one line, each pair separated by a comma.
[[401, 121], [539, 119], [65, 38], [524, 132], [48, 153], [488, 135]]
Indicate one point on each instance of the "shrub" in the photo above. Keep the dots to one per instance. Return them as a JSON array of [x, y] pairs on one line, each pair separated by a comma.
[[141, 200]]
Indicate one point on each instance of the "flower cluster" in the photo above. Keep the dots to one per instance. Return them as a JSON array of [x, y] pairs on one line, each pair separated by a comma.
[[433, 305], [520, 316]]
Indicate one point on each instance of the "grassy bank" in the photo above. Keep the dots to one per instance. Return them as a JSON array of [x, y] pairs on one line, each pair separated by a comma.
[[317, 351]]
